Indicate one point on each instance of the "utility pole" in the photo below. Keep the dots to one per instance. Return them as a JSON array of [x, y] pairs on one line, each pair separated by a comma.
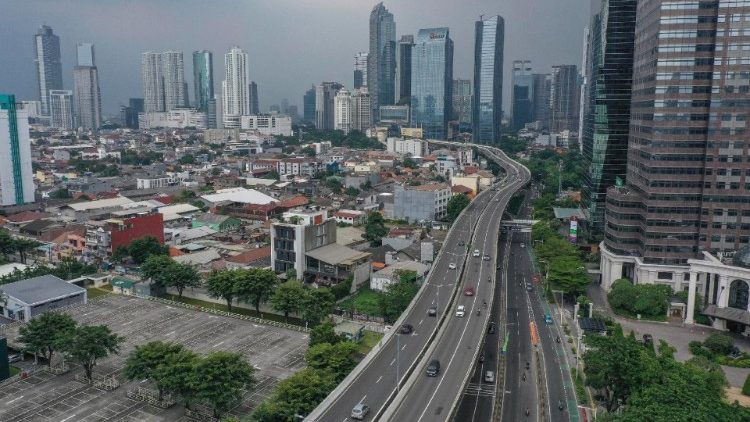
[[559, 178]]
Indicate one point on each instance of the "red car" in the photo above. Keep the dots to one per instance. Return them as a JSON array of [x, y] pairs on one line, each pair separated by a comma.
[[469, 291]]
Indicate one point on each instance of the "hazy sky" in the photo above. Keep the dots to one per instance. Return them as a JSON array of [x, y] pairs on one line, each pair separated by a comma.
[[292, 43]]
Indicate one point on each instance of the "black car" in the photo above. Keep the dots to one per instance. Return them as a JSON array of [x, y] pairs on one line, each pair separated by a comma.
[[433, 368], [481, 356], [432, 311], [406, 329], [491, 328]]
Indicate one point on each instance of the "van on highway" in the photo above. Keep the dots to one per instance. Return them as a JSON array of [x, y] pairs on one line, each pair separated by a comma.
[[433, 368]]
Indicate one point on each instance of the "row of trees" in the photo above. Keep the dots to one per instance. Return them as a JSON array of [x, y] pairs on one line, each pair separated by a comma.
[[68, 268], [648, 300], [565, 267], [165, 271], [10, 245], [218, 379], [255, 286], [54, 332], [140, 250], [635, 383]]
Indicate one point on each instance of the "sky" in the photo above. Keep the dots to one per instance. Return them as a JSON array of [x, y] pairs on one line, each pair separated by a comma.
[[292, 44]]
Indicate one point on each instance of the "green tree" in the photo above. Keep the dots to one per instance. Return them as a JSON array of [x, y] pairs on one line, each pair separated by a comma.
[[223, 378], [178, 375], [317, 304], [140, 249], [187, 159], [568, 274], [334, 184], [23, 246], [155, 267], [273, 174], [120, 254], [46, 334], [719, 344], [343, 288], [410, 163], [296, 395], [144, 362], [375, 228], [254, 285], [352, 191], [746, 386], [309, 151], [221, 285], [324, 333], [288, 297], [181, 276], [456, 204], [337, 359], [396, 299], [70, 268], [90, 343], [7, 244]]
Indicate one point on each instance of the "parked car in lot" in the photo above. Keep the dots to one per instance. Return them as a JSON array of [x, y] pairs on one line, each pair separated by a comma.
[[432, 311], [460, 311], [452, 266], [360, 411], [469, 291], [406, 329], [433, 368]]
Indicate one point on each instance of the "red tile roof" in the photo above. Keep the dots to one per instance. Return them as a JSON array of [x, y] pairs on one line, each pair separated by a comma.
[[461, 189], [250, 256], [296, 201], [25, 216]]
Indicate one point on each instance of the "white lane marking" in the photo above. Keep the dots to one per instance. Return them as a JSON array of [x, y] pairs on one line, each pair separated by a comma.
[[218, 344], [403, 347], [363, 399], [17, 398], [68, 418], [379, 378], [420, 321], [392, 362]]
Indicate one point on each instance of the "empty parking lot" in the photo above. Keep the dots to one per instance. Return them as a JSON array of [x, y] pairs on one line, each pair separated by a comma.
[[275, 352]]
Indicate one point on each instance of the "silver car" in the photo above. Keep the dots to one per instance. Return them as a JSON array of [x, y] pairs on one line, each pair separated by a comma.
[[360, 411]]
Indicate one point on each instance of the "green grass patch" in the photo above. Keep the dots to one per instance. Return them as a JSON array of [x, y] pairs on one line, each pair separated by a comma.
[[236, 310], [365, 301], [14, 371], [579, 385], [107, 287], [94, 292], [369, 340]]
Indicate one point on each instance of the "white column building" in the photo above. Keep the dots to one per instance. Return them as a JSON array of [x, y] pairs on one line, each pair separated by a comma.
[[61, 109], [343, 111], [16, 175], [235, 95], [153, 83], [175, 87]]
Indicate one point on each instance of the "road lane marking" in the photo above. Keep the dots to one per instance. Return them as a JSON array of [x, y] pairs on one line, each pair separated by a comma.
[[420, 321], [404, 347], [379, 378], [68, 418], [17, 398], [392, 362], [363, 399]]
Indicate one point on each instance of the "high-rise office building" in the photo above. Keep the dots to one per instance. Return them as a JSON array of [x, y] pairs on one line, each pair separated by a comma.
[[540, 87], [88, 99], [564, 91], [325, 95], [606, 111], [521, 104], [462, 100], [203, 79], [48, 64], [254, 102], [153, 82], [361, 110], [360, 69], [688, 186], [16, 175], [284, 106], [489, 36], [129, 113], [235, 87], [381, 62], [62, 115], [175, 87], [405, 47], [342, 104], [432, 82], [308, 105]]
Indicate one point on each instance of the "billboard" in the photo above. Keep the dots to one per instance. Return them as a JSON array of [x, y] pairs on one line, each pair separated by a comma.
[[573, 234]]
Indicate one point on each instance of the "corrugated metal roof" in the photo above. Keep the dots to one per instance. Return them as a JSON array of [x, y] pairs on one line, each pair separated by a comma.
[[40, 289]]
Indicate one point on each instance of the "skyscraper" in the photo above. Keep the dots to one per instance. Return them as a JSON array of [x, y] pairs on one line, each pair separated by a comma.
[[129, 114], [688, 186], [325, 94], [461, 100], [254, 102], [432, 82], [541, 85], [61, 109], [381, 62], [308, 105], [203, 79], [564, 93], [235, 87], [16, 176], [361, 110], [607, 103], [360, 69], [153, 82], [521, 105], [48, 64], [489, 36], [343, 110], [88, 99], [175, 87], [405, 47]]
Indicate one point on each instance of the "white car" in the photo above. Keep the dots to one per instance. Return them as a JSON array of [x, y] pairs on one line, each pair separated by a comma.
[[460, 311], [476, 253], [523, 245], [452, 266]]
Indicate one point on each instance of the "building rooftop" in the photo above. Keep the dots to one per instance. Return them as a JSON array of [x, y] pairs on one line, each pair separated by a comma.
[[566, 213], [250, 255], [430, 187], [198, 258], [41, 289], [242, 195], [209, 218], [101, 203], [415, 266], [178, 209], [335, 254]]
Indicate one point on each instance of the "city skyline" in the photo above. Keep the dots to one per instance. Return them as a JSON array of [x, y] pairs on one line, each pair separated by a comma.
[[121, 41]]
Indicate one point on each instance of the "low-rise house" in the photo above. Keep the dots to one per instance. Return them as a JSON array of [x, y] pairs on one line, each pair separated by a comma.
[[220, 223], [380, 280], [251, 258], [353, 217]]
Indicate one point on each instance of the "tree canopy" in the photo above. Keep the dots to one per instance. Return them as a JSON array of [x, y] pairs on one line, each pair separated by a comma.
[[456, 204], [48, 333], [90, 343], [375, 228]]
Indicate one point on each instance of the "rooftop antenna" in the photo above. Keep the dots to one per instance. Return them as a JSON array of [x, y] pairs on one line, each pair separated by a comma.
[[481, 17]]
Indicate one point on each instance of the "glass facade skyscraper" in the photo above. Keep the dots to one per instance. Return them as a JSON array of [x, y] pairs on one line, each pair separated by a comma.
[[48, 64], [308, 105], [381, 61], [488, 79], [607, 104], [405, 46], [203, 79], [431, 82], [522, 110]]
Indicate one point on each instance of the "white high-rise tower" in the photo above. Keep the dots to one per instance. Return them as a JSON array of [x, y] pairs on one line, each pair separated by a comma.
[[87, 97], [343, 111], [234, 88]]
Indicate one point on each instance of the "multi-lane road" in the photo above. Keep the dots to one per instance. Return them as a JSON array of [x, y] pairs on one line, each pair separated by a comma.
[[457, 345], [374, 381]]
